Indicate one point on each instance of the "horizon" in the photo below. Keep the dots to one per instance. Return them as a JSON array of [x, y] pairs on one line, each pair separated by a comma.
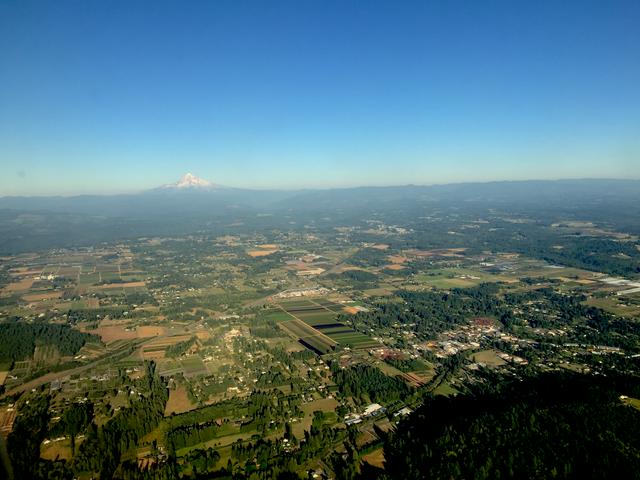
[[109, 98], [216, 186]]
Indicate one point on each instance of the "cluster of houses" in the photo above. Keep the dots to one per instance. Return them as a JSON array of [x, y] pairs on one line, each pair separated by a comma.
[[372, 410]]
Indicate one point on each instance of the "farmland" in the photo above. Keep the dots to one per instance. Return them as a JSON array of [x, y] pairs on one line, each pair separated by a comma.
[[247, 349], [315, 327]]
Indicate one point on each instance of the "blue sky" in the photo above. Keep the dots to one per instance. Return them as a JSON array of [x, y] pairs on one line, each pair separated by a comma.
[[111, 96]]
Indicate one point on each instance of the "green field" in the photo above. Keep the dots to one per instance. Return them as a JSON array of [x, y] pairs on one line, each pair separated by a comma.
[[193, 365], [618, 306], [354, 339], [289, 304], [316, 317], [277, 315], [308, 336], [89, 278], [334, 330]]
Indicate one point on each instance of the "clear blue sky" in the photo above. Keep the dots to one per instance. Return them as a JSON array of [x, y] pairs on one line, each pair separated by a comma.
[[110, 96]]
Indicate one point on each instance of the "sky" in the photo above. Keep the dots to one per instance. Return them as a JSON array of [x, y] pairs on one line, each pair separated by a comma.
[[120, 96]]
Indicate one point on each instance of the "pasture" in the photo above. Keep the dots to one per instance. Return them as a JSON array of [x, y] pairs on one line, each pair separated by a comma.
[[488, 357], [446, 278], [179, 401]]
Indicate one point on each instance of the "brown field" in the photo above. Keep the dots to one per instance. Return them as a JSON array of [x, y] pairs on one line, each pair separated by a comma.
[[380, 291], [344, 267], [24, 284], [268, 246], [375, 458], [416, 379], [397, 259], [38, 297], [297, 265], [3, 377], [351, 310], [203, 335], [260, 253], [438, 252], [322, 404], [394, 266], [150, 331], [119, 285], [581, 281], [92, 302], [155, 349], [155, 355], [7, 417], [57, 450], [178, 401], [167, 341], [110, 334], [24, 271]]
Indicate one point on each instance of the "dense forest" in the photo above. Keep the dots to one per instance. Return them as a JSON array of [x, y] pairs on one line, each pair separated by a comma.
[[431, 312], [368, 384], [18, 340], [553, 426]]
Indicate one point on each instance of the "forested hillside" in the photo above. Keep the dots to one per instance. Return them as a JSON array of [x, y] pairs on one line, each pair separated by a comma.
[[554, 426]]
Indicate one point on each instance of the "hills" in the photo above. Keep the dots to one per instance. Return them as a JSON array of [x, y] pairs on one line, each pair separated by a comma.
[[191, 193], [193, 205]]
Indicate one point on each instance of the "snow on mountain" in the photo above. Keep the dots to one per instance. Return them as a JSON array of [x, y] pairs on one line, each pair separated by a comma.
[[190, 181]]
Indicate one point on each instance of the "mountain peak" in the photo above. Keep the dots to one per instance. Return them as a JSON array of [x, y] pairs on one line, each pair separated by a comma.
[[189, 180]]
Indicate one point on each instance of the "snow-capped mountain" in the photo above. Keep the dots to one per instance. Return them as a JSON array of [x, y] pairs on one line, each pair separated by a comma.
[[190, 181]]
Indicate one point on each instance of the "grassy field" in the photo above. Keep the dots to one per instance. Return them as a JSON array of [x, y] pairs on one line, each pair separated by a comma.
[[44, 355], [488, 357], [277, 315], [193, 365], [375, 458], [634, 402], [616, 305], [318, 317], [179, 401], [456, 278], [338, 328], [354, 339], [326, 405], [446, 390], [292, 304], [60, 450]]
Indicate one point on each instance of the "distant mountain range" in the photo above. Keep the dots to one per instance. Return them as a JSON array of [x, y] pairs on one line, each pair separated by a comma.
[[193, 205], [192, 195]]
